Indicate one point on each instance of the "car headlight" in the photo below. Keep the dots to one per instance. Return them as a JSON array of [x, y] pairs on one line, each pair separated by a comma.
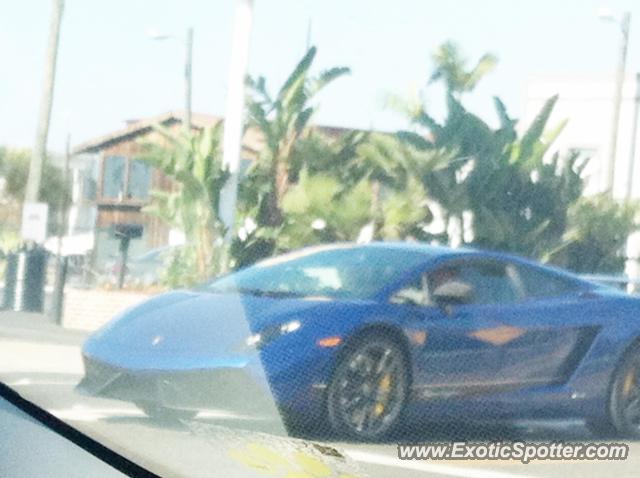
[[271, 333]]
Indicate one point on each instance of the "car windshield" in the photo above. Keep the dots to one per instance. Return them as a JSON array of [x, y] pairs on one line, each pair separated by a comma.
[[349, 272]]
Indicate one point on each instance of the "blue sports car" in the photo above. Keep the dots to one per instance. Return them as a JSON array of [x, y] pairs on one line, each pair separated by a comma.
[[365, 336]]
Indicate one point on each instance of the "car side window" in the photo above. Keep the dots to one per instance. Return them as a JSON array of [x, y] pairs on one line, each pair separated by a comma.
[[539, 284], [414, 293], [491, 282]]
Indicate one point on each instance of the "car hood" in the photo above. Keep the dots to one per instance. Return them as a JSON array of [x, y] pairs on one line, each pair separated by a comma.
[[191, 329]]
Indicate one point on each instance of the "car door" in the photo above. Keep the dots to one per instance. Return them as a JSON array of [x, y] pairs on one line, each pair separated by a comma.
[[556, 331], [462, 346]]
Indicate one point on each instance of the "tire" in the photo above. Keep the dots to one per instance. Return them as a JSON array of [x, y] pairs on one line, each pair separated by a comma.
[[160, 413], [369, 389], [301, 425], [601, 428], [624, 399]]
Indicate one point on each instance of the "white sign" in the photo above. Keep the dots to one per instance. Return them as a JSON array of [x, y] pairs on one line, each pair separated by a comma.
[[34, 221]]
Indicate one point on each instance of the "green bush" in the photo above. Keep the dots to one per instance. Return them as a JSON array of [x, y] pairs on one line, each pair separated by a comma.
[[596, 237]]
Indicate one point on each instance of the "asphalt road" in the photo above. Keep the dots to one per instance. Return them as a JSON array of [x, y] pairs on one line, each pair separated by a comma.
[[42, 362]]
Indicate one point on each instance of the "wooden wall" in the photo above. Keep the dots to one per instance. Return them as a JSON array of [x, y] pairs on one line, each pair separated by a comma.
[[112, 211]]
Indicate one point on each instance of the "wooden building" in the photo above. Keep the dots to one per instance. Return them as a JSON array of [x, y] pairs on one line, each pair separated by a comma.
[[124, 183]]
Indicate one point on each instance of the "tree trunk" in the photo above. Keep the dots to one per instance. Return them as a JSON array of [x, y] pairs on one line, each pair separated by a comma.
[[282, 179], [376, 209], [445, 218], [271, 213]]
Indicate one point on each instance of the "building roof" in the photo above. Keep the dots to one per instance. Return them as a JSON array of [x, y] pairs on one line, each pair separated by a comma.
[[252, 140]]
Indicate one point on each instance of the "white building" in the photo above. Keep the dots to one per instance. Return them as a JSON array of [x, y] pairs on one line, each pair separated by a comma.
[[587, 104], [78, 236]]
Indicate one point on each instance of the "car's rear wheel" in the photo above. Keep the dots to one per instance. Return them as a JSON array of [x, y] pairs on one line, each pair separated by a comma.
[[160, 413], [369, 389], [624, 400]]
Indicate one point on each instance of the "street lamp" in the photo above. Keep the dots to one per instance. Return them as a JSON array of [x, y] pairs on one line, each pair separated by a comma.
[[634, 134], [188, 41], [234, 115], [623, 23]]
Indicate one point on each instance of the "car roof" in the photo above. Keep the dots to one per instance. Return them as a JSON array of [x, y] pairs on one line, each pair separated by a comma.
[[428, 250], [432, 252]]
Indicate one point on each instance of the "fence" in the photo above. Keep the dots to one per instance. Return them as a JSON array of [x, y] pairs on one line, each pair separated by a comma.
[[89, 309], [84, 305]]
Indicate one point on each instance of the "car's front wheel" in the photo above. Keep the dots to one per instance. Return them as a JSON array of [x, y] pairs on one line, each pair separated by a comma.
[[369, 388]]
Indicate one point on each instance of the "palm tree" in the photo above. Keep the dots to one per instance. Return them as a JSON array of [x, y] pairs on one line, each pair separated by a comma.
[[518, 201], [462, 139], [390, 166], [283, 120], [451, 67], [194, 162]]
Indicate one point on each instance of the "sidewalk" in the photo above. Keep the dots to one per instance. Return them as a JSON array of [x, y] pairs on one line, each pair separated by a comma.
[[32, 346], [38, 328]]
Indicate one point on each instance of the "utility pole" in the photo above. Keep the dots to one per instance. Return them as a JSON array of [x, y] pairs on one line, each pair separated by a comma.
[[188, 78], [234, 116], [632, 266], [188, 67], [634, 134], [624, 29], [63, 206], [40, 149], [62, 263]]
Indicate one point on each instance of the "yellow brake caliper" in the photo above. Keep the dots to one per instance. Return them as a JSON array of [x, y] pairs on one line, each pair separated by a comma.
[[629, 383], [383, 391]]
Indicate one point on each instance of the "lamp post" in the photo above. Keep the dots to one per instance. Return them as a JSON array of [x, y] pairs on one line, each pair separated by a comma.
[[634, 133], [623, 23], [234, 115], [188, 62]]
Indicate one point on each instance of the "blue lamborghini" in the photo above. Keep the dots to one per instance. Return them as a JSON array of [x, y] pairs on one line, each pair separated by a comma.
[[364, 336]]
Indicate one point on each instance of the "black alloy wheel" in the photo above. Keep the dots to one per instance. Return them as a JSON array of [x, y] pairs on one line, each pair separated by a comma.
[[369, 389]]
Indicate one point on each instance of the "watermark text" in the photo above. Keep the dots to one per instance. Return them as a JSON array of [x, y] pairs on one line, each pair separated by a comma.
[[514, 451]]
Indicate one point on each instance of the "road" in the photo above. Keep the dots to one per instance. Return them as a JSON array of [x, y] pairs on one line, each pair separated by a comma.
[[42, 362]]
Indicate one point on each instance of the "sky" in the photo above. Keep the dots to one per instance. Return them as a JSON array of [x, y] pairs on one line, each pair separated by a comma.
[[110, 71]]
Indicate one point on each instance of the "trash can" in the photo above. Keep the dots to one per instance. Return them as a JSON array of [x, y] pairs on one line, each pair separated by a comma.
[[10, 280], [26, 274]]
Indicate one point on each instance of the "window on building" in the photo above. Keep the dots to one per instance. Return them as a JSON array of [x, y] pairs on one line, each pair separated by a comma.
[[117, 184], [139, 180], [89, 177], [113, 177]]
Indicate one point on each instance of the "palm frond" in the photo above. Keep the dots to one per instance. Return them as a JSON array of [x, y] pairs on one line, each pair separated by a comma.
[[534, 134], [326, 77]]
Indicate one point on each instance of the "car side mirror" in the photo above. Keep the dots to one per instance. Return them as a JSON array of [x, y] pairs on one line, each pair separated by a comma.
[[452, 293]]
